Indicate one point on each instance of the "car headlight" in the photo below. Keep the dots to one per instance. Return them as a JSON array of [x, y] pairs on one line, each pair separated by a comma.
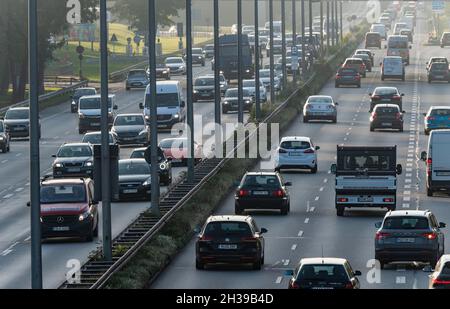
[[222, 85], [58, 165], [225, 102], [182, 67], [143, 132], [200, 57], [176, 116], [147, 117], [163, 166], [1, 138], [247, 102], [88, 164], [148, 182], [164, 72], [74, 103], [84, 215], [195, 91], [81, 116]]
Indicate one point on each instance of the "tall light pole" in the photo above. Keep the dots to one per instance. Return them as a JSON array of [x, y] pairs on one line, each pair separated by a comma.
[[240, 90], [105, 157], [336, 26], [310, 19], [217, 112], [303, 40], [271, 60], [321, 28], [35, 182], [340, 23], [283, 40], [328, 24], [257, 54], [294, 35], [332, 23], [189, 90]]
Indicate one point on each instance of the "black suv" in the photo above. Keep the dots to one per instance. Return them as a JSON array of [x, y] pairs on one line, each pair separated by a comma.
[[204, 87], [386, 116], [347, 77], [262, 190], [68, 209], [409, 236], [386, 95], [74, 160], [4, 138], [17, 119], [230, 239]]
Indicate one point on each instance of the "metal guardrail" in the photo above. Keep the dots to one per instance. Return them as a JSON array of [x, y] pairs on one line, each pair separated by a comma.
[[47, 96]]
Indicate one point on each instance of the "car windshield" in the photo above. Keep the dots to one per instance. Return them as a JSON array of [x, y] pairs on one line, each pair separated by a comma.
[[264, 74], [96, 139], [385, 91], [66, 193], [138, 154], [82, 92], [361, 161], [446, 269], [261, 180], [197, 51], [323, 272], [295, 145], [164, 99], [129, 121], [16, 114], [405, 223], [174, 60], [221, 229], [74, 151], [204, 82], [440, 112], [320, 100], [352, 62], [444, 60], [403, 44], [233, 93], [93, 103], [137, 74], [134, 168], [347, 72]]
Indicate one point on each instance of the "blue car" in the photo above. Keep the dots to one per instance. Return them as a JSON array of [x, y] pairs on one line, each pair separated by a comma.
[[438, 117]]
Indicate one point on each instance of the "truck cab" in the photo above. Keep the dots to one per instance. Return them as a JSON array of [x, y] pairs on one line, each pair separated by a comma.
[[366, 176]]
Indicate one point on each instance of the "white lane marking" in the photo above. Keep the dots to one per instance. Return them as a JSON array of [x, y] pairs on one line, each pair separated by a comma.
[[307, 220], [294, 246], [345, 139], [279, 279], [19, 154], [407, 186], [407, 192], [348, 133], [286, 262], [408, 175], [317, 198], [312, 209], [407, 180], [325, 180], [406, 198], [27, 184], [4, 161], [409, 164], [28, 238], [7, 196], [321, 189], [9, 249], [300, 234], [19, 189]]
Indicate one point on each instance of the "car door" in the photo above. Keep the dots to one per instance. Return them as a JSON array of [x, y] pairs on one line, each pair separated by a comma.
[[255, 229]]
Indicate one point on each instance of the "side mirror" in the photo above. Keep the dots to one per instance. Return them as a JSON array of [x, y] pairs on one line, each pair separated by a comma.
[[423, 156], [289, 272], [183, 104], [336, 103], [116, 107], [402, 95], [398, 169], [358, 273], [378, 225], [288, 184], [141, 105], [333, 169], [403, 112], [263, 231], [442, 225], [28, 204], [54, 156], [317, 147]]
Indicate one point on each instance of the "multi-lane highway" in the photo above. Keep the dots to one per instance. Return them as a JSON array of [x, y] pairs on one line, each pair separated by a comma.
[[312, 227], [60, 126]]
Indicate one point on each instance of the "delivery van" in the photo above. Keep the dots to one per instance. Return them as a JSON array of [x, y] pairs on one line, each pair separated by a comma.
[[392, 67]]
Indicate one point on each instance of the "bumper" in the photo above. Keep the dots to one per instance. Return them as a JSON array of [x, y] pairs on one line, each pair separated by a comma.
[[65, 172], [388, 124], [93, 124], [21, 133], [393, 76], [261, 203], [321, 116], [443, 77], [166, 124], [79, 229], [438, 185], [136, 85], [348, 82], [203, 96], [288, 162], [349, 201], [139, 140], [235, 108], [405, 255], [139, 193]]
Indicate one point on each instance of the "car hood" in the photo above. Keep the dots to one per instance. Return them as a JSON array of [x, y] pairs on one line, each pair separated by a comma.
[[73, 159], [122, 129], [63, 209], [174, 65], [133, 178]]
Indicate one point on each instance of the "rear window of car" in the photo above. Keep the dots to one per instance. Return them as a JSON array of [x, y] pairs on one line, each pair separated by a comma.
[[218, 229], [137, 74], [446, 269], [385, 91], [439, 66], [373, 36], [440, 112], [320, 100], [323, 272], [204, 82], [347, 72], [353, 61], [261, 180], [360, 161], [405, 223], [386, 110], [295, 145]]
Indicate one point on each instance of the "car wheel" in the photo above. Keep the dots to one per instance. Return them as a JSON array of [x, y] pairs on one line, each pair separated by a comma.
[[262, 260], [314, 169], [403, 78], [336, 85], [429, 80], [203, 64], [199, 265], [224, 111], [4, 148], [401, 129], [429, 191], [127, 88], [382, 77], [81, 131], [364, 75], [257, 265], [238, 210], [435, 259], [89, 237], [340, 211], [427, 132], [168, 78], [334, 120], [359, 86], [305, 119], [372, 129], [284, 210], [96, 229]]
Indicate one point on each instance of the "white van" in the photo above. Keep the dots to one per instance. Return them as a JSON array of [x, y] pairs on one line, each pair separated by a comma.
[[392, 67], [438, 161], [400, 26], [380, 28], [171, 106]]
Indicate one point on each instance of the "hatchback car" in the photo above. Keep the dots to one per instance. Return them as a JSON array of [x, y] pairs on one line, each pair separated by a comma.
[[68, 209], [320, 107], [385, 95], [176, 150], [438, 71], [134, 179], [347, 77], [262, 191], [4, 138], [231, 240], [131, 129], [78, 93], [164, 164], [440, 278], [437, 117], [74, 160], [386, 116], [176, 65], [137, 79], [230, 101], [323, 273], [357, 64], [296, 152], [436, 59], [204, 87], [17, 119], [409, 236], [162, 71]]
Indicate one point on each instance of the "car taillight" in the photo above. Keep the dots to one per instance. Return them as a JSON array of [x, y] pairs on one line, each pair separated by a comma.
[[396, 97], [429, 166], [293, 285], [437, 281], [342, 199], [374, 116], [243, 193], [278, 193], [388, 200], [357, 76], [281, 150], [430, 236], [381, 235], [310, 150], [430, 118], [248, 239], [205, 238], [398, 116], [362, 66], [348, 285], [338, 76], [375, 97]]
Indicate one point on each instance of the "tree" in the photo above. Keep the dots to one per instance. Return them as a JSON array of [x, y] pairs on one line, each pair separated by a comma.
[[136, 12]]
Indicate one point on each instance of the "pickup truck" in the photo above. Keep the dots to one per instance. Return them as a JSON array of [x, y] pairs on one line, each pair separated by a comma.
[[366, 176]]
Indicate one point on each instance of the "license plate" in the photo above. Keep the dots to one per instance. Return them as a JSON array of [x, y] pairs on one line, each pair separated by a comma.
[[228, 247], [442, 173], [18, 129], [260, 192], [73, 169], [365, 199], [61, 228], [295, 154], [95, 124], [439, 76], [385, 100], [387, 124], [204, 94], [137, 84], [130, 191], [405, 240], [128, 139]]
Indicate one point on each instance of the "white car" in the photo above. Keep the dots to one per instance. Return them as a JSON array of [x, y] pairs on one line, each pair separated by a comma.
[[176, 65], [296, 152], [250, 86], [264, 76]]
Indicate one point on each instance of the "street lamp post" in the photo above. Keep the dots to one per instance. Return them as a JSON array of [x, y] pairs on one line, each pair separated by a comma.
[[271, 60], [257, 54], [294, 35], [283, 40], [189, 90], [303, 39]]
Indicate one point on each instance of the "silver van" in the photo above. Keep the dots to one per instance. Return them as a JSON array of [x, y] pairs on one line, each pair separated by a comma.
[[392, 67]]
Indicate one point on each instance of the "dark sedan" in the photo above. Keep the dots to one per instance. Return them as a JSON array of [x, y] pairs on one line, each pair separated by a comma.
[[438, 71], [262, 191], [197, 56], [131, 129], [347, 77], [17, 119], [73, 160], [230, 101], [162, 71], [134, 179], [204, 87], [386, 116], [384, 95]]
